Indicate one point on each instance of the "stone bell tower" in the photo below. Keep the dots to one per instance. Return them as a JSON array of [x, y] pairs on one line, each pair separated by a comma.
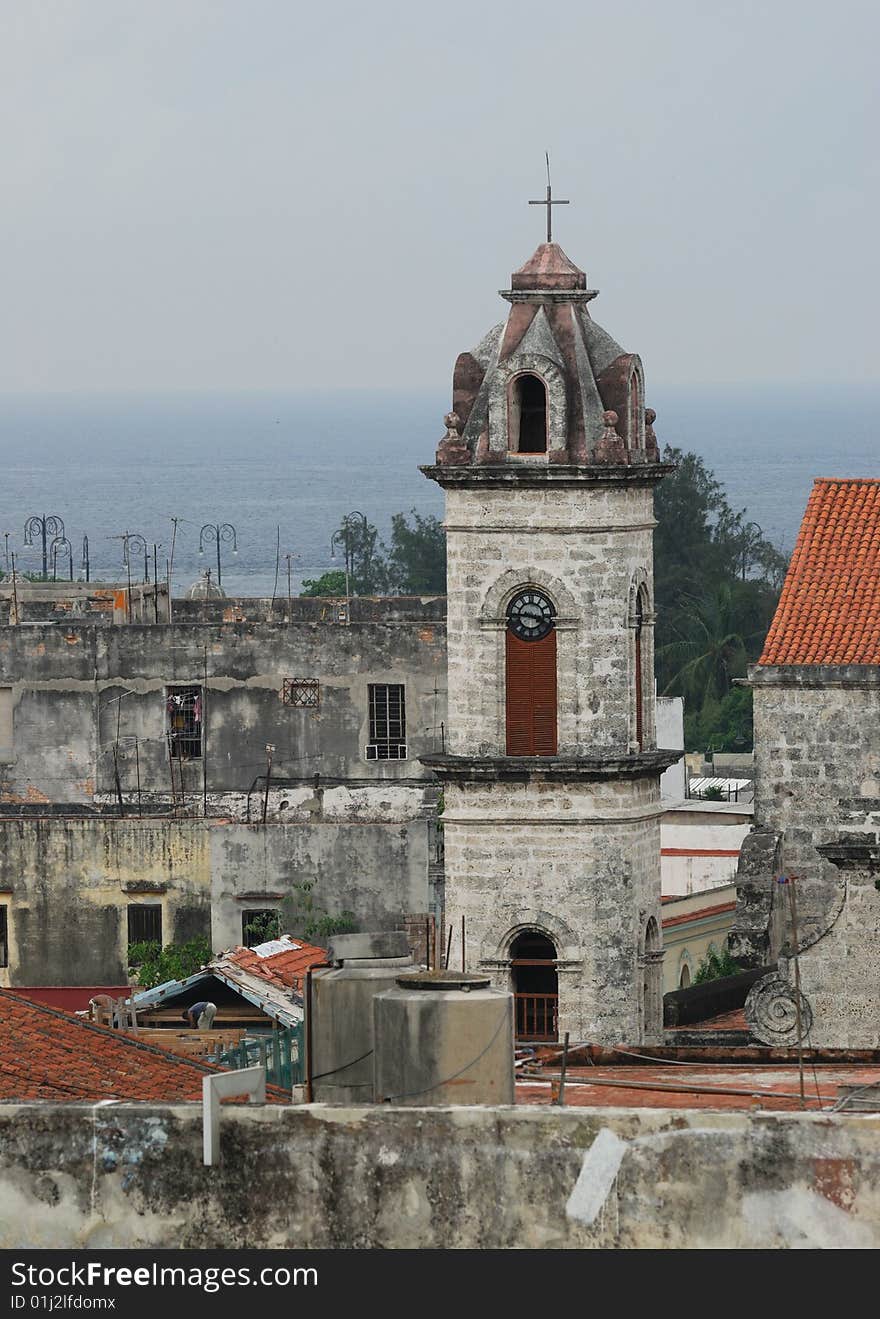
[[551, 785]]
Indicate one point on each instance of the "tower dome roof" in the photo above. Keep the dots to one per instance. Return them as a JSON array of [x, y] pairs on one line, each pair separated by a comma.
[[592, 408], [548, 268]]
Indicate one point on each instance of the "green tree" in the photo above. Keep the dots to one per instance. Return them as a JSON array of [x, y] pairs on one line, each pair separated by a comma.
[[717, 581], [155, 964], [304, 917], [329, 583], [355, 539], [415, 561], [715, 965]]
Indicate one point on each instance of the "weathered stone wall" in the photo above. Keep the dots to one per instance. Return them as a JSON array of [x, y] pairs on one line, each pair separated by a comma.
[[817, 762], [840, 971], [130, 1175], [586, 547], [67, 883], [579, 862]]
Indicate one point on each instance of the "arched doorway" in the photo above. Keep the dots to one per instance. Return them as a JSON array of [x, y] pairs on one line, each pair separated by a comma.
[[535, 986]]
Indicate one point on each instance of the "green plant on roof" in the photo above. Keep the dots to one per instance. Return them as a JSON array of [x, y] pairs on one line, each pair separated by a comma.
[[154, 965]]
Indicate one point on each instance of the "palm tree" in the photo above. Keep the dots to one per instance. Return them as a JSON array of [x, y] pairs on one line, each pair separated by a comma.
[[710, 647]]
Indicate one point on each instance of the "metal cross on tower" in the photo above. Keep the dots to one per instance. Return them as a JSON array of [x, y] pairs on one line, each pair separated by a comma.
[[549, 201]]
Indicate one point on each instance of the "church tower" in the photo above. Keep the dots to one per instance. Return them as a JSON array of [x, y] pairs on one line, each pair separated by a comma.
[[551, 782]]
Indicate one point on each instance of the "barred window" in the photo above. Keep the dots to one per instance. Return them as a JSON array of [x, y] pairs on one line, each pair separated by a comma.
[[184, 709], [145, 923], [304, 692], [4, 935], [259, 926], [387, 722]]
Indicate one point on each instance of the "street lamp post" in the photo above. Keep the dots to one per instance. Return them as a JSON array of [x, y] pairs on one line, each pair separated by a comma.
[[63, 544], [216, 532], [85, 566], [346, 536], [47, 525]]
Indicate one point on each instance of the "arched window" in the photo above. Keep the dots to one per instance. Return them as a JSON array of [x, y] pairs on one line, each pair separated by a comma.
[[633, 429], [535, 986], [685, 978], [528, 415], [652, 997], [531, 675], [641, 608]]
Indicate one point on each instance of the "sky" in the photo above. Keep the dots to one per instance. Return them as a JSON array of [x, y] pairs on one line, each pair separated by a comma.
[[266, 194]]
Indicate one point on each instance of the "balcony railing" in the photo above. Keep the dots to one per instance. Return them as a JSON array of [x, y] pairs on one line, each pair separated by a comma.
[[537, 1016]]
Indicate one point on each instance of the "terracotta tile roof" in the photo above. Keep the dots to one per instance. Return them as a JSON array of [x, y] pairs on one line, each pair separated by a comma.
[[829, 610], [286, 967], [48, 1054], [702, 914]]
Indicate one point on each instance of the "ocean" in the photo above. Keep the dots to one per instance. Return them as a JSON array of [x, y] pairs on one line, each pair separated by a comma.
[[128, 463]]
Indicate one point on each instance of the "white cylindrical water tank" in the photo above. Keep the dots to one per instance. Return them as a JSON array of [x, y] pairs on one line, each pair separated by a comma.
[[443, 1037], [341, 1012]]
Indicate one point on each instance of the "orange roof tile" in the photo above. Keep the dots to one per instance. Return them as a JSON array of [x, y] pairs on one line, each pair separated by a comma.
[[47, 1054], [283, 968], [829, 609]]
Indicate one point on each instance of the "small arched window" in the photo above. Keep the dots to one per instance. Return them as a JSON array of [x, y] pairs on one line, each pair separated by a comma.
[[633, 429], [528, 415], [640, 668], [685, 978]]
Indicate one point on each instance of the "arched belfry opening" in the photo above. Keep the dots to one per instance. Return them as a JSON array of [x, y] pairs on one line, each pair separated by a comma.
[[635, 412], [535, 986], [528, 415], [531, 674]]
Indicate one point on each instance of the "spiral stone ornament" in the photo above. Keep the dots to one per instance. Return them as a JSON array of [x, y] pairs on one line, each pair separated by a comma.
[[771, 1012]]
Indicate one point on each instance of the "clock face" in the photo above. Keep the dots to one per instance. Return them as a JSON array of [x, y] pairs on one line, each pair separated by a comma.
[[530, 615]]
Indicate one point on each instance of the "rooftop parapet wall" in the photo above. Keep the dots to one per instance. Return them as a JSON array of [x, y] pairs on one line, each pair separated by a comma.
[[128, 1176], [78, 690]]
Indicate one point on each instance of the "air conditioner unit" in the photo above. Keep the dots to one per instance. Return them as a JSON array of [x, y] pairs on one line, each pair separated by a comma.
[[395, 751]]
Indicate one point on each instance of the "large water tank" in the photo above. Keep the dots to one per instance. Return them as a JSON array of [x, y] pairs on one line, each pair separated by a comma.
[[443, 1037], [341, 1012]]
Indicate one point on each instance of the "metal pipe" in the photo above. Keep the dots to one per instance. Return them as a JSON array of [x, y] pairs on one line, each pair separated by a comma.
[[563, 1071], [307, 1004]]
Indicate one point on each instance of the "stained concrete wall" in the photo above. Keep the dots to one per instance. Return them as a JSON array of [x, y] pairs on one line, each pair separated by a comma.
[[130, 1175], [82, 694], [67, 883]]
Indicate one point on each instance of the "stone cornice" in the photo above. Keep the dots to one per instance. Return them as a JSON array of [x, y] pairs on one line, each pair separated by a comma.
[[851, 855], [812, 675], [537, 769], [548, 295], [539, 475]]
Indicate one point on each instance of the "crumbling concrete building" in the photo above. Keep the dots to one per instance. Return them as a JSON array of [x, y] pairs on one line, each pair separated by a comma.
[[172, 779]]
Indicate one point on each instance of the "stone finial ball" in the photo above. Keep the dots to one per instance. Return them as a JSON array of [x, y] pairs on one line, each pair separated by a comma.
[[609, 418], [451, 421], [650, 416]]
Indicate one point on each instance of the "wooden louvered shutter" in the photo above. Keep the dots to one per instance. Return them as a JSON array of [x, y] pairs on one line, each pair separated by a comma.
[[531, 696]]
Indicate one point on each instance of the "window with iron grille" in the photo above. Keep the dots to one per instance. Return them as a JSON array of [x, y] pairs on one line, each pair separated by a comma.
[[4, 935], [387, 722], [184, 707], [304, 692], [145, 923], [260, 926]]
